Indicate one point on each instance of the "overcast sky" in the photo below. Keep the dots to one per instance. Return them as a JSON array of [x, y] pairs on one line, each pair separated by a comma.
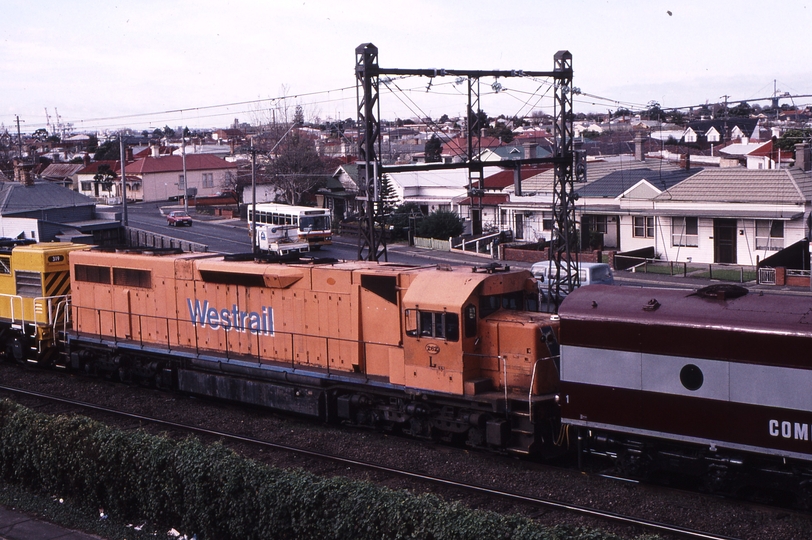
[[203, 63]]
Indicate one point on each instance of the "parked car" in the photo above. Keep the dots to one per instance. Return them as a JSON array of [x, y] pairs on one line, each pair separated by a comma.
[[178, 217], [588, 274]]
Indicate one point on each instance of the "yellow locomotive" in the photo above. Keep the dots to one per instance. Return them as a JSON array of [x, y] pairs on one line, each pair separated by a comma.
[[34, 298]]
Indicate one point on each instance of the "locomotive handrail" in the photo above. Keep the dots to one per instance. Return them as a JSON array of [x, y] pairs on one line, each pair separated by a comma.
[[63, 305], [503, 359], [17, 303], [533, 382]]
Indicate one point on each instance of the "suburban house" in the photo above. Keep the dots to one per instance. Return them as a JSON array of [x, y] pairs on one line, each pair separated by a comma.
[[61, 173], [339, 195], [48, 212], [85, 182], [489, 211], [723, 215], [161, 178], [430, 190], [711, 215]]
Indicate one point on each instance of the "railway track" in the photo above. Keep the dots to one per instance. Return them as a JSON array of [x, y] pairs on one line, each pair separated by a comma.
[[532, 501]]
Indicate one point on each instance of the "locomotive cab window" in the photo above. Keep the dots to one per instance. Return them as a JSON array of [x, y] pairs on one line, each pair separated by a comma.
[[5, 264], [433, 324]]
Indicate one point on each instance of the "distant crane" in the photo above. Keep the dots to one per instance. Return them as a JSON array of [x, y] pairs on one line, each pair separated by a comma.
[[48, 121]]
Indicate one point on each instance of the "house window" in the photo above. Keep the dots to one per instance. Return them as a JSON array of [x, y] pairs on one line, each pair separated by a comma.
[[643, 227], [546, 221], [181, 182], [769, 234], [597, 224], [684, 231], [208, 180], [87, 186]]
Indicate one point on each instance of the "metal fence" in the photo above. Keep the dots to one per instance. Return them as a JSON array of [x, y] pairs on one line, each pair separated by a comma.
[[149, 239]]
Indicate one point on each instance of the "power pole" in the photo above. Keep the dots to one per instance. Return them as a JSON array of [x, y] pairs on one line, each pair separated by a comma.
[[185, 181], [19, 138], [123, 157]]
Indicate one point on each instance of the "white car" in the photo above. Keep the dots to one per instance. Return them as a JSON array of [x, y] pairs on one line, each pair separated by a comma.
[[588, 274]]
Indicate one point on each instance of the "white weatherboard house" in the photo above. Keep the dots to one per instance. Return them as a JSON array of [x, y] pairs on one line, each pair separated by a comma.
[[431, 190]]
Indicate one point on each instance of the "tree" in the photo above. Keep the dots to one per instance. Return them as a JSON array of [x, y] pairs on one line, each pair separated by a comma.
[[442, 224], [477, 120], [298, 169], [791, 137], [389, 197], [298, 116], [107, 151], [433, 150], [654, 112], [104, 178], [742, 110], [169, 132]]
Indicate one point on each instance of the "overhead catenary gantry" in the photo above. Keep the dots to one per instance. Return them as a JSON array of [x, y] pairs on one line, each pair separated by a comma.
[[372, 242]]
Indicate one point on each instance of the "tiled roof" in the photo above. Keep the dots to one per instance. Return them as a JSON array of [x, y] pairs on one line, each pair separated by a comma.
[[194, 162], [736, 185], [93, 168], [504, 178], [612, 178]]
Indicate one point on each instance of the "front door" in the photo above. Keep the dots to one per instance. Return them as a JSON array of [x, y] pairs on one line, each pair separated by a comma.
[[724, 240], [476, 221], [519, 232]]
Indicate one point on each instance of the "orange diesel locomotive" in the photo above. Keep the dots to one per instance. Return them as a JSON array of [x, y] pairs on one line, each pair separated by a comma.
[[434, 352]]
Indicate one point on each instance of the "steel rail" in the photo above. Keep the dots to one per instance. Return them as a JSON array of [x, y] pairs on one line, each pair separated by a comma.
[[548, 503]]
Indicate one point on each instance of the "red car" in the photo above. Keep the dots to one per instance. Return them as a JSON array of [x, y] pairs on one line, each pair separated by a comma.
[[178, 217]]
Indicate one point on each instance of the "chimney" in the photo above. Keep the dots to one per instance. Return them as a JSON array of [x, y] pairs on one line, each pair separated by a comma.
[[23, 173], [128, 154], [529, 150], [155, 150], [803, 157], [517, 180], [86, 160], [639, 139]]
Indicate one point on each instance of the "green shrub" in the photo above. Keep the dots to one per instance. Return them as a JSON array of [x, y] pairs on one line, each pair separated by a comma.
[[216, 494], [441, 224]]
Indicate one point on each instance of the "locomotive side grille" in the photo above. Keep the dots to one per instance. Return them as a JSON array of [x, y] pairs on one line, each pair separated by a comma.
[[28, 283]]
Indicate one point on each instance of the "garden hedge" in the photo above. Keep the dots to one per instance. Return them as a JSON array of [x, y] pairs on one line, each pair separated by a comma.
[[212, 492]]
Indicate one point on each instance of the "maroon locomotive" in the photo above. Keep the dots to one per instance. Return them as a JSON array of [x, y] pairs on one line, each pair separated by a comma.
[[712, 382]]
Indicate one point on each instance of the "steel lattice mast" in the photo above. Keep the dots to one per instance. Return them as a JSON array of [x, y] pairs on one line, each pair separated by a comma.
[[370, 168]]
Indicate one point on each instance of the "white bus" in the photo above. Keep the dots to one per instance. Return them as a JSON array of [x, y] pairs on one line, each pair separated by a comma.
[[313, 223]]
